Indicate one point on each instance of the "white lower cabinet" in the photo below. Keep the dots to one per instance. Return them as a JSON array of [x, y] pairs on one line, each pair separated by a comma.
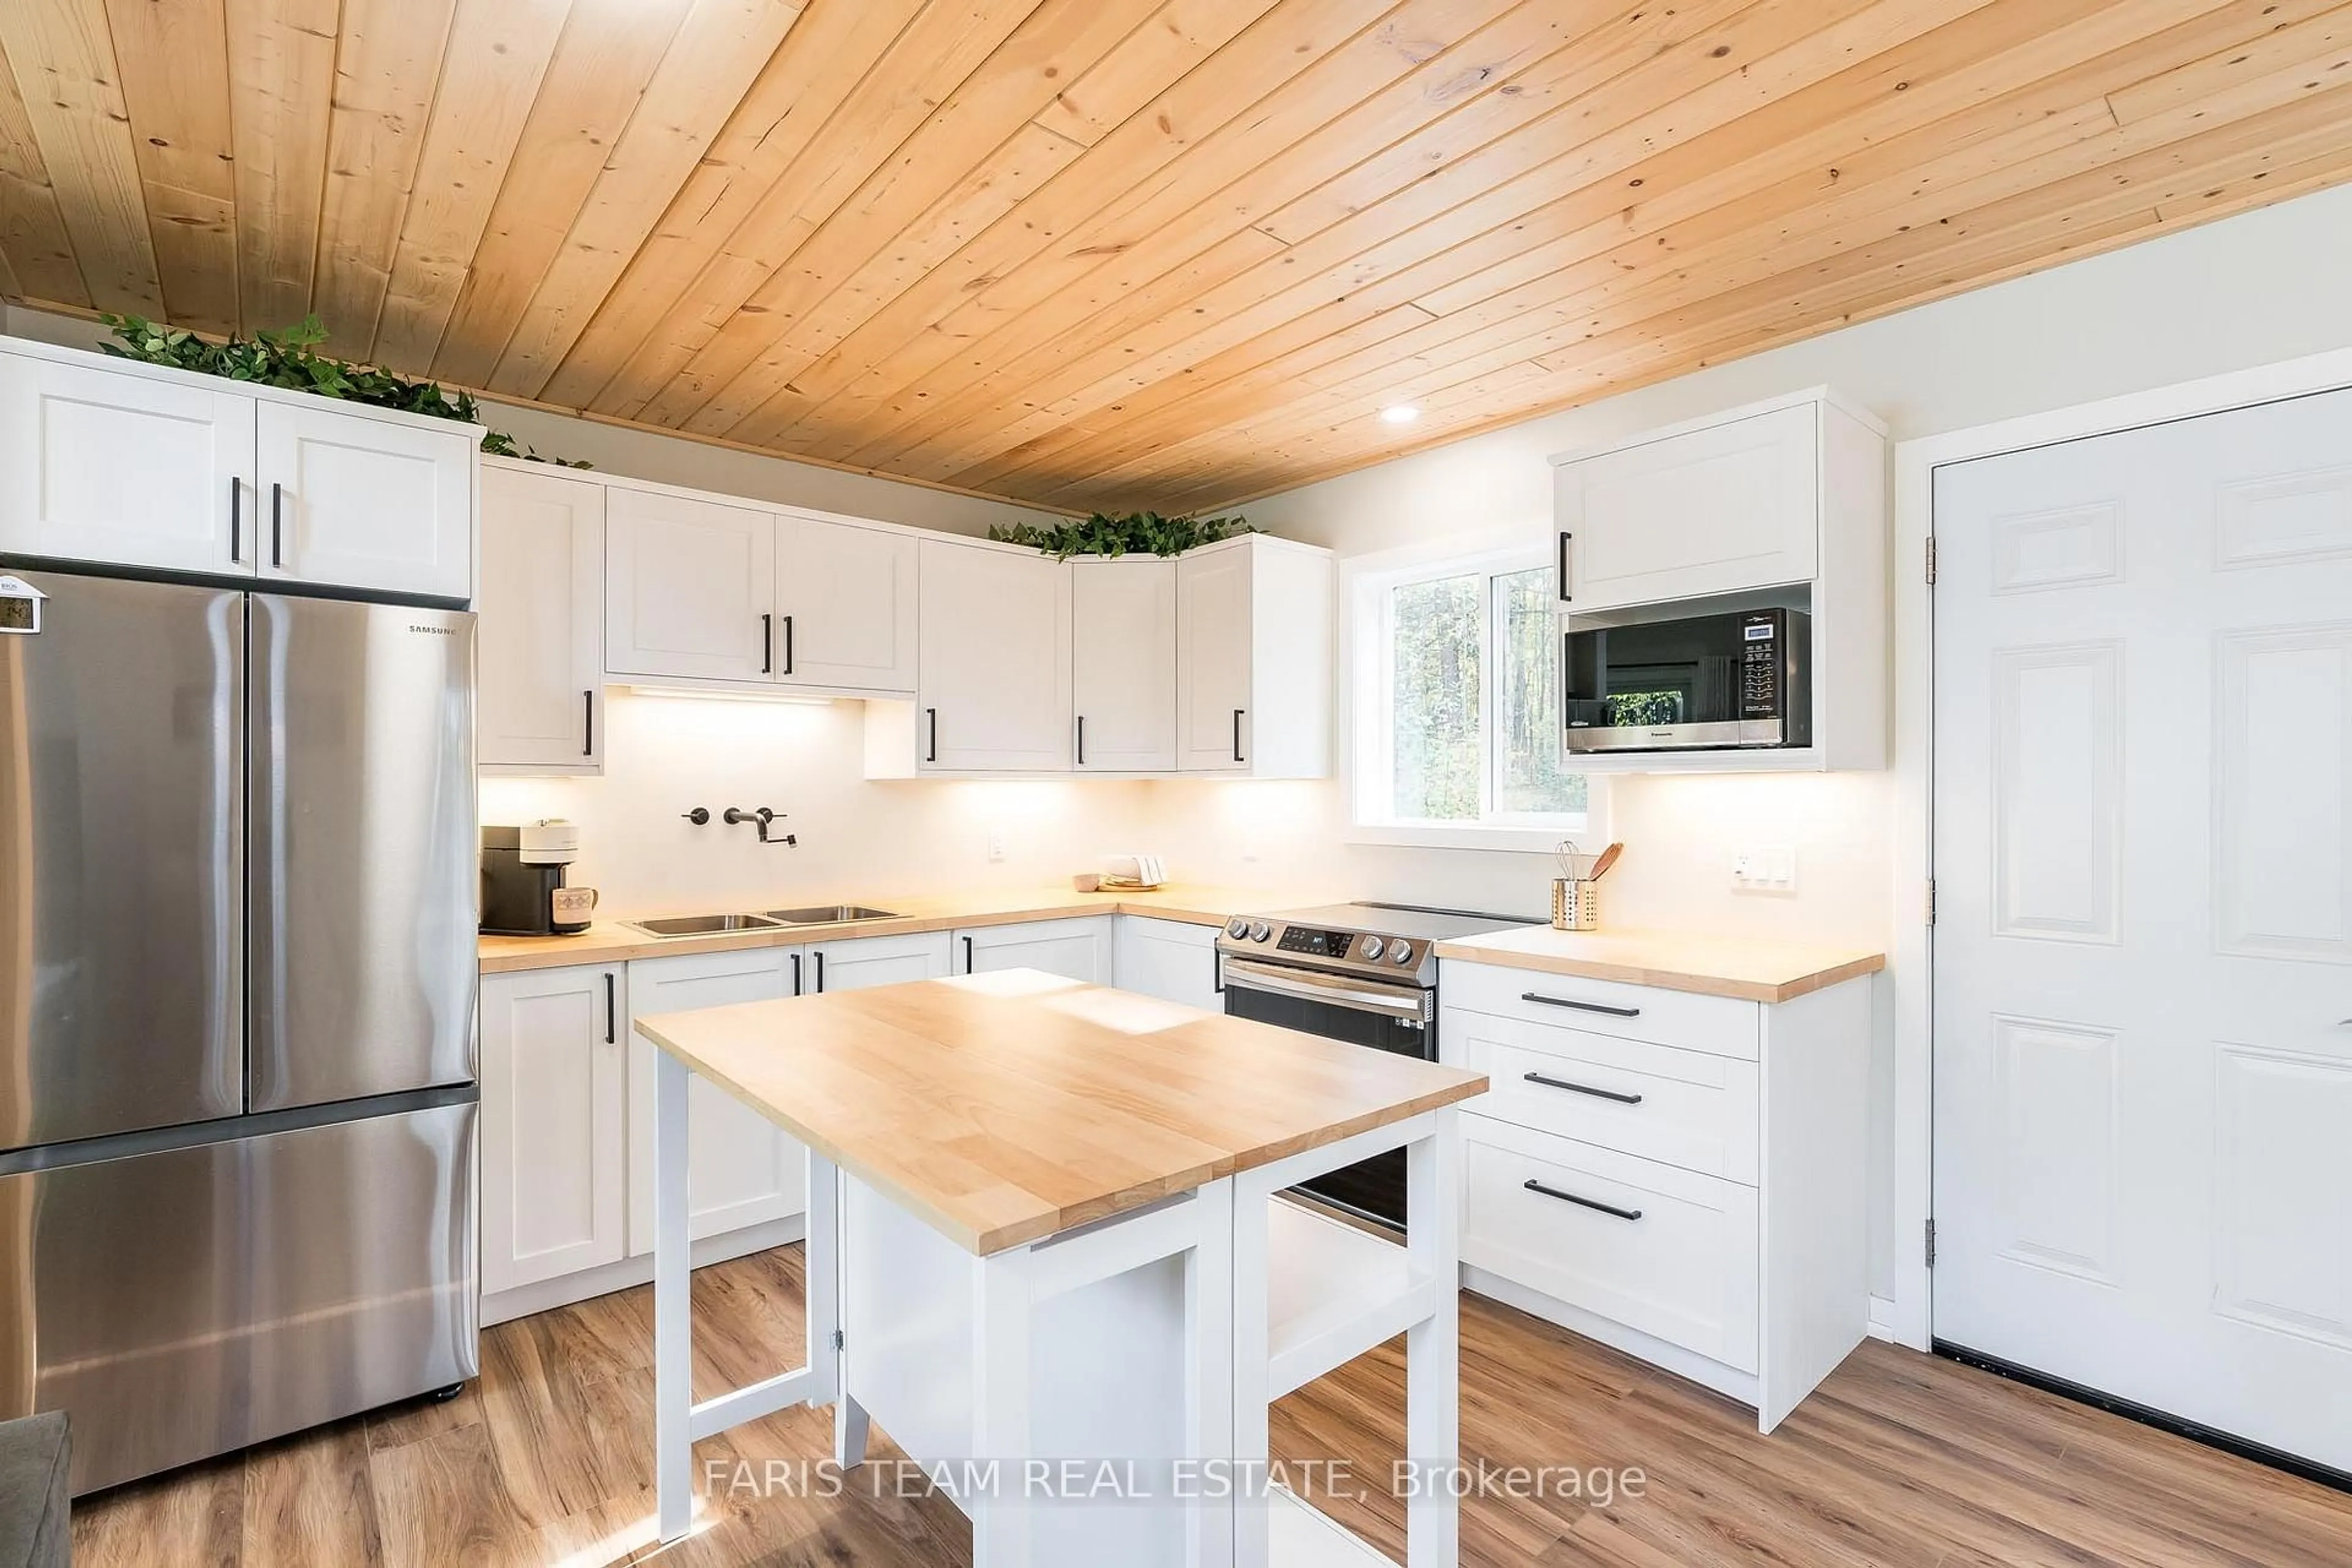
[[1172, 960], [1077, 949], [1681, 1176], [861, 962], [740, 1171], [554, 1101]]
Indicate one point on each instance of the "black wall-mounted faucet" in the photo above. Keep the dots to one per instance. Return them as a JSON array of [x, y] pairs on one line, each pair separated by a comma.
[[760, 817]]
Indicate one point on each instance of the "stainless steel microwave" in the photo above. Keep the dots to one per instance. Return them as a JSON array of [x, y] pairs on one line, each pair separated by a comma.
[[1736, 680]]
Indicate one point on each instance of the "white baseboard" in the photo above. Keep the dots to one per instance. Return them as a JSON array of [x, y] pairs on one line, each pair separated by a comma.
[[546, 1295], [1882, 1318]]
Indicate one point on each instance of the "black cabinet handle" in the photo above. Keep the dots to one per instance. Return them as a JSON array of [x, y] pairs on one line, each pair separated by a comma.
[[767, 644], [611, 1009], [1082, 740], [788, 644], [967, 956], [277, 524], [1535, 1186], [796, 975], [1237, 733], [1565, 596], [931, 716], [236, 518], [820, 971], [1580, 1006], [1582, 1088], [588, 722]]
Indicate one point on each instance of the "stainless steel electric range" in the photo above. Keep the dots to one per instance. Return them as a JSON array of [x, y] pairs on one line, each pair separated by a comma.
[[1363, 973]]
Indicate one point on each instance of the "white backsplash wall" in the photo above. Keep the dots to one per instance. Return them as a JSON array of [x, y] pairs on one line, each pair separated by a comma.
[[859, 840]]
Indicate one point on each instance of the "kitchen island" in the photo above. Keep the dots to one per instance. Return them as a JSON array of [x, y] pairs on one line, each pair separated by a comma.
[[1043, 1228]]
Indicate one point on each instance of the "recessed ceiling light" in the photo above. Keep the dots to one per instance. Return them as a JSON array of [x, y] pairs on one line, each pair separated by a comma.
[[1399, 413]]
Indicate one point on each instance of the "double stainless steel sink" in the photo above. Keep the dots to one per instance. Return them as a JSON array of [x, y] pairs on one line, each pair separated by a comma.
[[768, 919]]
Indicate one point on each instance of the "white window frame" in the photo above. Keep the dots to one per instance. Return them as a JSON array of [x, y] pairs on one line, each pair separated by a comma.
[[1366, 653]]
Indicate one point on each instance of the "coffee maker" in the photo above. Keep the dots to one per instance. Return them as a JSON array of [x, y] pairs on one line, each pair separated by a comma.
[[523, 893]]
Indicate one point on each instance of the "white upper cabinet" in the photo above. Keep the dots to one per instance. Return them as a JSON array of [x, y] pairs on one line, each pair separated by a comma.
[[689, 587], [363, 503], [539, 637], [100, 466], [1123, 664], [845, 605], [1254, 659], [1711, 510], [993, 687]]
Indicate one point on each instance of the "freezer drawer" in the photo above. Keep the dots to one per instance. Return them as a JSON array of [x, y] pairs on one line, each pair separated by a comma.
[[122, 857], [184, 1303], [364, 874]]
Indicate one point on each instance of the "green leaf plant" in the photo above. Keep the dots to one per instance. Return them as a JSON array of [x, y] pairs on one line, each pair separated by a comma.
[[1135, 533]]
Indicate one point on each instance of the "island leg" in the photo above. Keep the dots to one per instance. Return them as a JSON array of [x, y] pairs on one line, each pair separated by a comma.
[[1000, 1389], [673, 1304], [1433, 1395]]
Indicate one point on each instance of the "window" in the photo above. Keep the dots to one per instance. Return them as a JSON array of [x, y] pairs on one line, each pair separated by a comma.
[[1457, 709]]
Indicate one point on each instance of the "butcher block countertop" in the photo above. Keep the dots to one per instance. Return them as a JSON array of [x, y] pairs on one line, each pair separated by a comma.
[[610, 941], [1749, 968], [1004, 1108]]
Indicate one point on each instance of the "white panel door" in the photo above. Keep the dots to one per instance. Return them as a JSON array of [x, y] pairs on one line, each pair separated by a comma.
[[1215, 652], [539, 623], [363, 502], [845, 605], [1076, 949], [96, 465], [554, 1101], [993, 669], [690, 588], [864, 962], [740, 1171], [1123, 664], [1733, 505], [1172, 960], [2143, 951]]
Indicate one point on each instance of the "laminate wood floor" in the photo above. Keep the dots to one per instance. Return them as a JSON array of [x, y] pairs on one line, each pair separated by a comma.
[[1899, 1459]]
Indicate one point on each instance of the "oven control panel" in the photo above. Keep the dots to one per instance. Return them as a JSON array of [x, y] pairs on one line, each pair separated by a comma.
[[1315, 943]]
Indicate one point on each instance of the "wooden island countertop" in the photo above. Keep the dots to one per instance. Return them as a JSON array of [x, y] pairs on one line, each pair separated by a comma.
[[1002, 1108]]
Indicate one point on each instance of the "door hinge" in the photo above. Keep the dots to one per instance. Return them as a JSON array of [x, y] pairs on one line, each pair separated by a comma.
[[1931, 561], [1931, 1243], [840, 1340], [1931, 900]]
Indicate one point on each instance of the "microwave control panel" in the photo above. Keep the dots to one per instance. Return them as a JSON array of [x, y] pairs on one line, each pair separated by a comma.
[[1760, 667]]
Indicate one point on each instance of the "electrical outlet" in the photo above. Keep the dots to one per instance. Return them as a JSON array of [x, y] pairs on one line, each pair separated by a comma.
[[996, 842], [1769, 869]]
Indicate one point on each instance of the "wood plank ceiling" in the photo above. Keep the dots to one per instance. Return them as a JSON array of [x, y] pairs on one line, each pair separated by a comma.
[[1084, 253]]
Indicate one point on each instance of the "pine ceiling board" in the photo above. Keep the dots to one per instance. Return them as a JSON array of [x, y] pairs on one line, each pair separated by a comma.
[[32, 231], [720, 51], [1177, 36], [1174, 245], [919, 77], [607, 52], [1283, 42], [2317, 45], [387, 68], [676, 290], [958, 171], [63, 58], [498, 52], [1625, 78], [173, 59], [281, 69]]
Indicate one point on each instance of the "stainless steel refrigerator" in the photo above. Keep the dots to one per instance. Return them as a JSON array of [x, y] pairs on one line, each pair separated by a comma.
[[237, 893]]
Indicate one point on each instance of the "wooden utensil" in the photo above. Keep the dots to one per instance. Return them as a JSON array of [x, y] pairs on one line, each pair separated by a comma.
[[1607, 859]]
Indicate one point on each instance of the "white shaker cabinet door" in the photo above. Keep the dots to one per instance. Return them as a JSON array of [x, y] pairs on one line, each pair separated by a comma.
[[1076, 949], [690, 588], [993, 672], [1172, 960], [1123, 664], [539, 623], [845, 606], [554, 1100], [862, 962], [740, 1171], [363, 502], [96, 465], [1216, 650]]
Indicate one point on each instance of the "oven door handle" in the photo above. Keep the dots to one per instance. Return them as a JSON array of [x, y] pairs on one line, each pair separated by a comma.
[[1252, 976]]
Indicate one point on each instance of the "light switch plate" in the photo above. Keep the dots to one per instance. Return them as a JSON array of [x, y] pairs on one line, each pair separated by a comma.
[[1771, 868], [996, 842]]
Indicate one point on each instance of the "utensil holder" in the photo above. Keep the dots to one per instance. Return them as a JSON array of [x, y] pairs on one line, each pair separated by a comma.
[[1575, 904]]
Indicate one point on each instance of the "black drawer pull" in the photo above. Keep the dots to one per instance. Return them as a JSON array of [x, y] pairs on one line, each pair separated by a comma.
[[1535, 1186], [1583, 1089], [1580, 1006]]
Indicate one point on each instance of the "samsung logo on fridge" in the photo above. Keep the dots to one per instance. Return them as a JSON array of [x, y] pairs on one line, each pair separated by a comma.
[[434, 631]]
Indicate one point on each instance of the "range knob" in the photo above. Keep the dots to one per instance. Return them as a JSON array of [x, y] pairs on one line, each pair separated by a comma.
[[1401, 953], [1238, 928], [1370, 947], [1259, 931]]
